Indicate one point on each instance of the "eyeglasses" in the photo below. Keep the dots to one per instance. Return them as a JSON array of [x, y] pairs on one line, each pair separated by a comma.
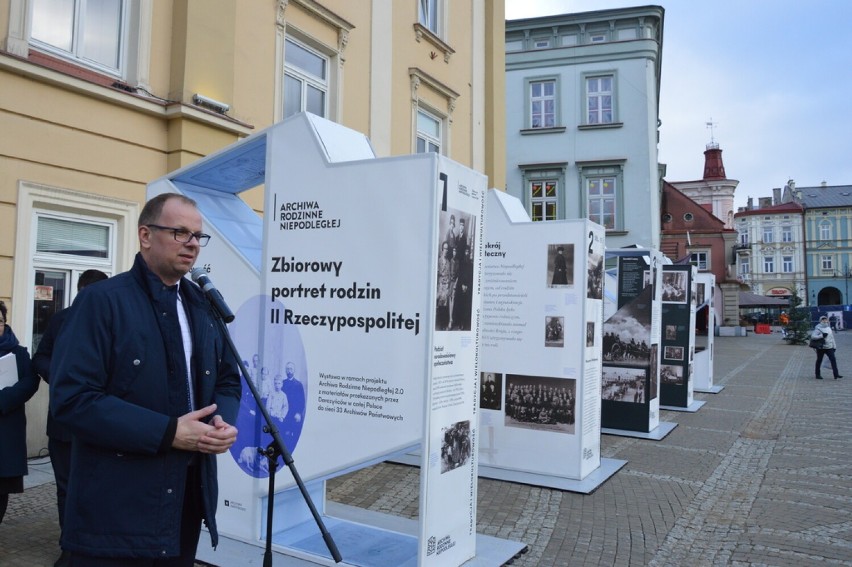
[[184, 236]]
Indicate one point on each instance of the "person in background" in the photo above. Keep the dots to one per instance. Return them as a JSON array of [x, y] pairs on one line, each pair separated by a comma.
[[13, 419], [828, 348], [58, 438], [142, 377], [783, 320]]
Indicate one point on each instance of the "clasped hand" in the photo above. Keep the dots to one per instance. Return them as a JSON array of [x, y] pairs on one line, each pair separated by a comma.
[[193, 434]]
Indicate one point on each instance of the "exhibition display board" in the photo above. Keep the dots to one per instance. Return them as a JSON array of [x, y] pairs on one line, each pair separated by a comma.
[[631, 340], [540, 399], [678, 335], [357, 313], [705, 295]]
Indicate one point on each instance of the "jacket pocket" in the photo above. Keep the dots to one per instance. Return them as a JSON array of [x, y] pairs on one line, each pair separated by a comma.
[[131, 361]]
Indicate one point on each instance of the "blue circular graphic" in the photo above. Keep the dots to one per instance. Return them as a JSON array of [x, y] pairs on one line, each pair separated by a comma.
[[275, 358]]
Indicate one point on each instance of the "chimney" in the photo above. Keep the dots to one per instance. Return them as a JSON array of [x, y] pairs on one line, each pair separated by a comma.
[[776, 195], [713, 166], [750, 205]]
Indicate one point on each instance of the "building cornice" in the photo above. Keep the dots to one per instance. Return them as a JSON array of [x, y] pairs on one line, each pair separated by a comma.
[[150, 106]]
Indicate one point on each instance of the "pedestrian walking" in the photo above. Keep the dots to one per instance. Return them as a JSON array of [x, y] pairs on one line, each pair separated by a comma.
[[822, 341]]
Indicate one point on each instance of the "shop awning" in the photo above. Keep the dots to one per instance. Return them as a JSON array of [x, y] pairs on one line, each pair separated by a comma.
[[748, 299]]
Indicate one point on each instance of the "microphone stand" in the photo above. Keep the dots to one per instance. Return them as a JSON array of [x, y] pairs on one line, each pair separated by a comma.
[[272, 451]]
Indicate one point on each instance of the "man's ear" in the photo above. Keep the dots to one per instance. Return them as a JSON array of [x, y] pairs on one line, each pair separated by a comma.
[[144, 234]]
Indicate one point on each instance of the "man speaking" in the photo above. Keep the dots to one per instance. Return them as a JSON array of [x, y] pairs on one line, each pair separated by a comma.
[[142, 377]]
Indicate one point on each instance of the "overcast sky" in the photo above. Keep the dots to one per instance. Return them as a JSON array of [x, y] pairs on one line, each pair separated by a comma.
[[775, 76]]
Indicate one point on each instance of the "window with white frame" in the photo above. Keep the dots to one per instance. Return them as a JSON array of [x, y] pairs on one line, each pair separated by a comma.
[[544, 199], [787, 233], [743, 237], [306, 80], [787, 264], [601, 200], [827, 263], [600, 99], [428, 14], [768, 264], [542, 110], [744, 267], [429, 129], [701, 260], [65, 247], [825, 230], [61, 235], [767, 234], [91, 32], [73, 237], [602, 189]]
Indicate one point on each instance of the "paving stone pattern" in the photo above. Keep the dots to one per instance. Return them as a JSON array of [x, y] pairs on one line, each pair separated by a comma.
[[760, 475]]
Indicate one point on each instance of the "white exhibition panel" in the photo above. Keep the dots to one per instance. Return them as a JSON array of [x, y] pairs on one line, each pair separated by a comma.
[[335, 295], [705, 299], [541, 342]]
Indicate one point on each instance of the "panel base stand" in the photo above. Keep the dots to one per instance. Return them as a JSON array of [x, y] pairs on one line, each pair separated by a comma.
[[589, 484], [691, 408], [711, 390], [365, 539], [657, 434]]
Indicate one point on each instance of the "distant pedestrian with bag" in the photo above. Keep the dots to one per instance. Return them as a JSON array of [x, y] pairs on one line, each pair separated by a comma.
[[822, 341]]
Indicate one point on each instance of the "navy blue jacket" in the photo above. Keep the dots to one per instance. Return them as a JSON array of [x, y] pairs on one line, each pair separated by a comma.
[[41, 366], [13, 419], [109, 386]]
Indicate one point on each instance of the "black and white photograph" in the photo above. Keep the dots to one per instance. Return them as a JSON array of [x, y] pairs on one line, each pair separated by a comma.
[[595, 276], [623, 384], [646, 278], [699, 294], [455, 446], [674, 287], [671, 332], [538, 402], [653, 388], [554, 331], [456, 243], [673, 353], [560, 265], [671, 374], [491, 391], [627, 333], [590, 333]]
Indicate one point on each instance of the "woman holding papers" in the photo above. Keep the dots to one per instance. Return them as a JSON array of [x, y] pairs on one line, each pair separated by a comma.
[[17, 385]]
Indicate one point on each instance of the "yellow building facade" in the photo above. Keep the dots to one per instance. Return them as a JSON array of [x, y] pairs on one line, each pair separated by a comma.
[[98, 99]]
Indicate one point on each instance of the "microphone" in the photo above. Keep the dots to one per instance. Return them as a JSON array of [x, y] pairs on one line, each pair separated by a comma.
[[199, 276]]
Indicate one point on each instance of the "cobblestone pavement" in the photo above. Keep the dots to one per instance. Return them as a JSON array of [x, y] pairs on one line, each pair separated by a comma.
[[760, 475]]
